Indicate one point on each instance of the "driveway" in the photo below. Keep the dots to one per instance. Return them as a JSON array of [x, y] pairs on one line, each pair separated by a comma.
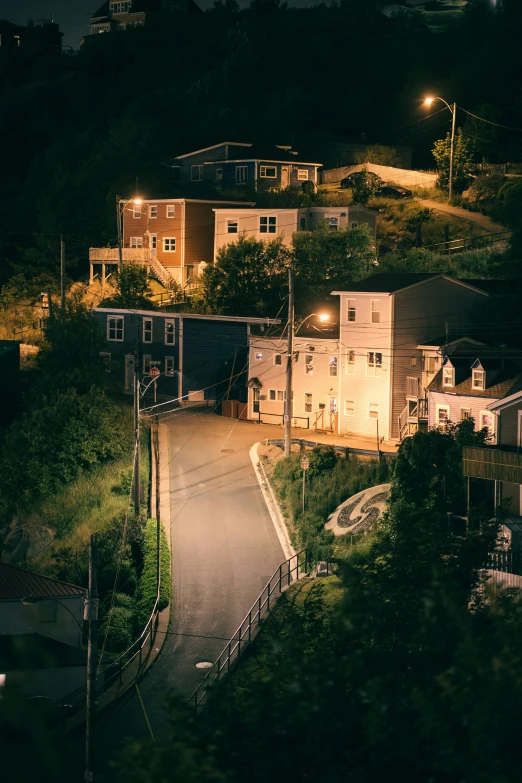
[[224, 550]]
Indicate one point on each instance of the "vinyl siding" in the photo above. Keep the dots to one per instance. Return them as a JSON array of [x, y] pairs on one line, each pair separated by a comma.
[[248, 224], [421, 313], [199, 232], [509, 425], [208, 358], [456, 402], [161, 226]]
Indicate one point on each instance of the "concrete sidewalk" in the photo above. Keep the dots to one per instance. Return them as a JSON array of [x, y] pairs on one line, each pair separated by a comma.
[[477, 218], [276, 432]]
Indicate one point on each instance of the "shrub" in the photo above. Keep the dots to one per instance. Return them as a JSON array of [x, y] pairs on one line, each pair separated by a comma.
[[120, 634], [322, 460], [147, 586]]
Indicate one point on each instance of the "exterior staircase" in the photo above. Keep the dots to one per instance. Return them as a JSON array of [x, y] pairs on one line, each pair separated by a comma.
[[159, 271]]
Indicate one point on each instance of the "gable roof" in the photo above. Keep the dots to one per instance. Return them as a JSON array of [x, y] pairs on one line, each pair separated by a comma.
[[506, 382], [449, 342], [16, 583], [392, 282], [511, 399], [213, 147]]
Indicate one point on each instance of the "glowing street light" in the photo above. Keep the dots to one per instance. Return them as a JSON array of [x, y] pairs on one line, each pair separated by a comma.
[[428, 101]]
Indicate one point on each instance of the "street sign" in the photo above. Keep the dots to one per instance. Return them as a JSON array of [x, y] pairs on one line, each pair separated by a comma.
[[305, 462], [154, 372]]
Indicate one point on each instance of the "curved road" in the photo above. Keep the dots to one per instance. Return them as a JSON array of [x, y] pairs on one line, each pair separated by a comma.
[[224, 550]]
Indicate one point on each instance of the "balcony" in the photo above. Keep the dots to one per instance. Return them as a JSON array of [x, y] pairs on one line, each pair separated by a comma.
[[492, 464], [110, 255], [413, 417]]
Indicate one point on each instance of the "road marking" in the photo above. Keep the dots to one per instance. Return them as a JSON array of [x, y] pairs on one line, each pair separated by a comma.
[[145, 713]]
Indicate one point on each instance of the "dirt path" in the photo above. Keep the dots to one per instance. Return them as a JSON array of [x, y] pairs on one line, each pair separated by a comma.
[[472, 217]]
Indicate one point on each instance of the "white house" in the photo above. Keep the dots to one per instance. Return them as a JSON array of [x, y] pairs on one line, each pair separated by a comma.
[[259, 223]]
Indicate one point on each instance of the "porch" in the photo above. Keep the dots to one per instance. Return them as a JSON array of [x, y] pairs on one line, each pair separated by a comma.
[[103, 259], [414, 416]]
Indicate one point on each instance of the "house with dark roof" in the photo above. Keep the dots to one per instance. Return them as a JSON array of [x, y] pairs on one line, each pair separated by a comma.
[[246, 167], [120, 15]]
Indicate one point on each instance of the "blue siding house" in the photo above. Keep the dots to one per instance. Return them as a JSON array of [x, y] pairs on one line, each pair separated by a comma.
[[198, 356]]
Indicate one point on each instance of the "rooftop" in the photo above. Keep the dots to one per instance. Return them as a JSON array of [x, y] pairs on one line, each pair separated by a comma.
[[16, 583], [507, 381]]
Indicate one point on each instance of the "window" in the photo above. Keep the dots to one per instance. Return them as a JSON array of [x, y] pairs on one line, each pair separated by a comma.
[[259, 355], [373, 411], [276, 395], [171, 210], [413, 361], [169, 245], [332, 364], [147, 330], [219, 174], [115, 328], [376, 311], [309, 364], [267, 225], [351, 310], [270, 172], [169, 366], [136, 241], [153, 212], [176, 173], [332, 223], [354, 224], [170, 333], [431, 364], [349, 408], [47, 611], [196, 173], [146, 364], [478, 378], [231, 226], [308, 403], [302, 174], [281, 395], [487, 421], [465, 414], [447, 376], [350, 362], [442, 416], [136, 211], [106, 360], [241, 175], [374, 363], [271, 394], [120, 7], [302, 224], [121, 26], [278, 358]]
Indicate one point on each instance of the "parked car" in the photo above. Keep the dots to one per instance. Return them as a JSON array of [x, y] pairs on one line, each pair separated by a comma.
[[394, 191], [349, 181]]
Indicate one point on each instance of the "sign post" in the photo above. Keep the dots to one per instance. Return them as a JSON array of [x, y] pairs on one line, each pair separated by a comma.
[[154, 373], [305, 464]]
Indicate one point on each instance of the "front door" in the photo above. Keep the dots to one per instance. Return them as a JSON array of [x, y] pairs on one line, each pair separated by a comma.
[[154, 245], [129, 373], [285, 177], [255, 404]]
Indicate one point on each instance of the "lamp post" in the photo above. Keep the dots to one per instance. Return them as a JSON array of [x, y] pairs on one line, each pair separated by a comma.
[[453, 109], [292, 331], [120, 206]]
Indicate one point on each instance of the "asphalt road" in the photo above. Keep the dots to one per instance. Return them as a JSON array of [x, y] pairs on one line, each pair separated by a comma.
[[224, 550]]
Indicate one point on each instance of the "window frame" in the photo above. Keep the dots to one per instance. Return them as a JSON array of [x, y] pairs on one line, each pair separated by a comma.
[[442, 407], [349, 405], [272, 396], [153, 214], [263, 169], [199, 168], [270, 226], [147, 363], [309, 364], [373, 369], [373, 407], [169, 322], [136, 211], [482, 374], [302, 224], [233, 223], [333, 364], [493, 430], [169, 372], [332, 221], [280, 357], [375, 311], [169, 240], [309, 402], [465, 411], [448, 373], [147, 331], [116, 327], [243, 178], [136, 243], [303, 175], [170, 208], [349, 353], [351, 310]]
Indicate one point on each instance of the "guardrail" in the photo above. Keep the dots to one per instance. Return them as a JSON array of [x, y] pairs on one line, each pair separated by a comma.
[[339, 449], [281, 579]]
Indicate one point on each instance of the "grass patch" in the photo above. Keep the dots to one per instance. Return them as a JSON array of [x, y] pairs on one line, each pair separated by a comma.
[[147, 586]]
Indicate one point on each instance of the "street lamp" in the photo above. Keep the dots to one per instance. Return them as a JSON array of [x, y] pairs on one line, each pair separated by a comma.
[[453, 109], [120, 206], [323, 317]]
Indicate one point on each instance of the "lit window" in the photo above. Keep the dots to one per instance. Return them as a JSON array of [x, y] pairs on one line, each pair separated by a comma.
[[241, 175], [373, 411], [146, 364], [136, 210], [153, 211], [349, 408], [465, 414], [115, 328], [196, 173], [302, 174], [147, 330], [136, 241], [219, 173], [309, 364], [308, 403], [332, 364], [278, 358], [447, 376], [350, 362], [478, 378], [231, 226], [169, 245], [170, 333], [487, 422], [374, 363], [169, 365], [376, 311], [269, 172], [442, 416], [351, 310], [267, 225], [333, 223], [171, 210]]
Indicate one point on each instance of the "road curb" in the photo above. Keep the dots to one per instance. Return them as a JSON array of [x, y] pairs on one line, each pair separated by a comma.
[[271, 503]]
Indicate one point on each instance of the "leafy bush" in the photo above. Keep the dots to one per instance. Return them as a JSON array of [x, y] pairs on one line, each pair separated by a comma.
[[322, 460], [147, 586], [121, 628]]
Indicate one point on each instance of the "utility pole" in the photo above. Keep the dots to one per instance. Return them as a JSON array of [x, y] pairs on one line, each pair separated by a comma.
[[289, 362], [452, 151], [62, 273], [118, 220], [91, 615], [137, 499]]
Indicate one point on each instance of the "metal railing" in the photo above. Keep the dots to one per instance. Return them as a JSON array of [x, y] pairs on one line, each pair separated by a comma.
[[305, 419], [283, 576]]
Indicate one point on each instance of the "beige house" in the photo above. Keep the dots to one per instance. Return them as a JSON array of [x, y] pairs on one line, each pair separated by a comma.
[[273, 223]]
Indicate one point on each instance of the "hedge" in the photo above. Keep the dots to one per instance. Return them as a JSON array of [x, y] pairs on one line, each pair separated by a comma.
[[147, 585]]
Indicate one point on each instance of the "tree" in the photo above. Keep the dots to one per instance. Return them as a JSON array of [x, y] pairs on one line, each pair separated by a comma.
[[462, 161], [248, 278], [416, 220], [132, 288], [378, 154], [364, 187]]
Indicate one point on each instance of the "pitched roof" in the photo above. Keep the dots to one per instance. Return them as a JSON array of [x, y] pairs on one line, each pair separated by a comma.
[[451, 340], [506, 382], [390, 282], [16, 583]]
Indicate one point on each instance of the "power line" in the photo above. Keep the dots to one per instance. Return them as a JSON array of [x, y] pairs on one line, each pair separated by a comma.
[[490, 122]]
